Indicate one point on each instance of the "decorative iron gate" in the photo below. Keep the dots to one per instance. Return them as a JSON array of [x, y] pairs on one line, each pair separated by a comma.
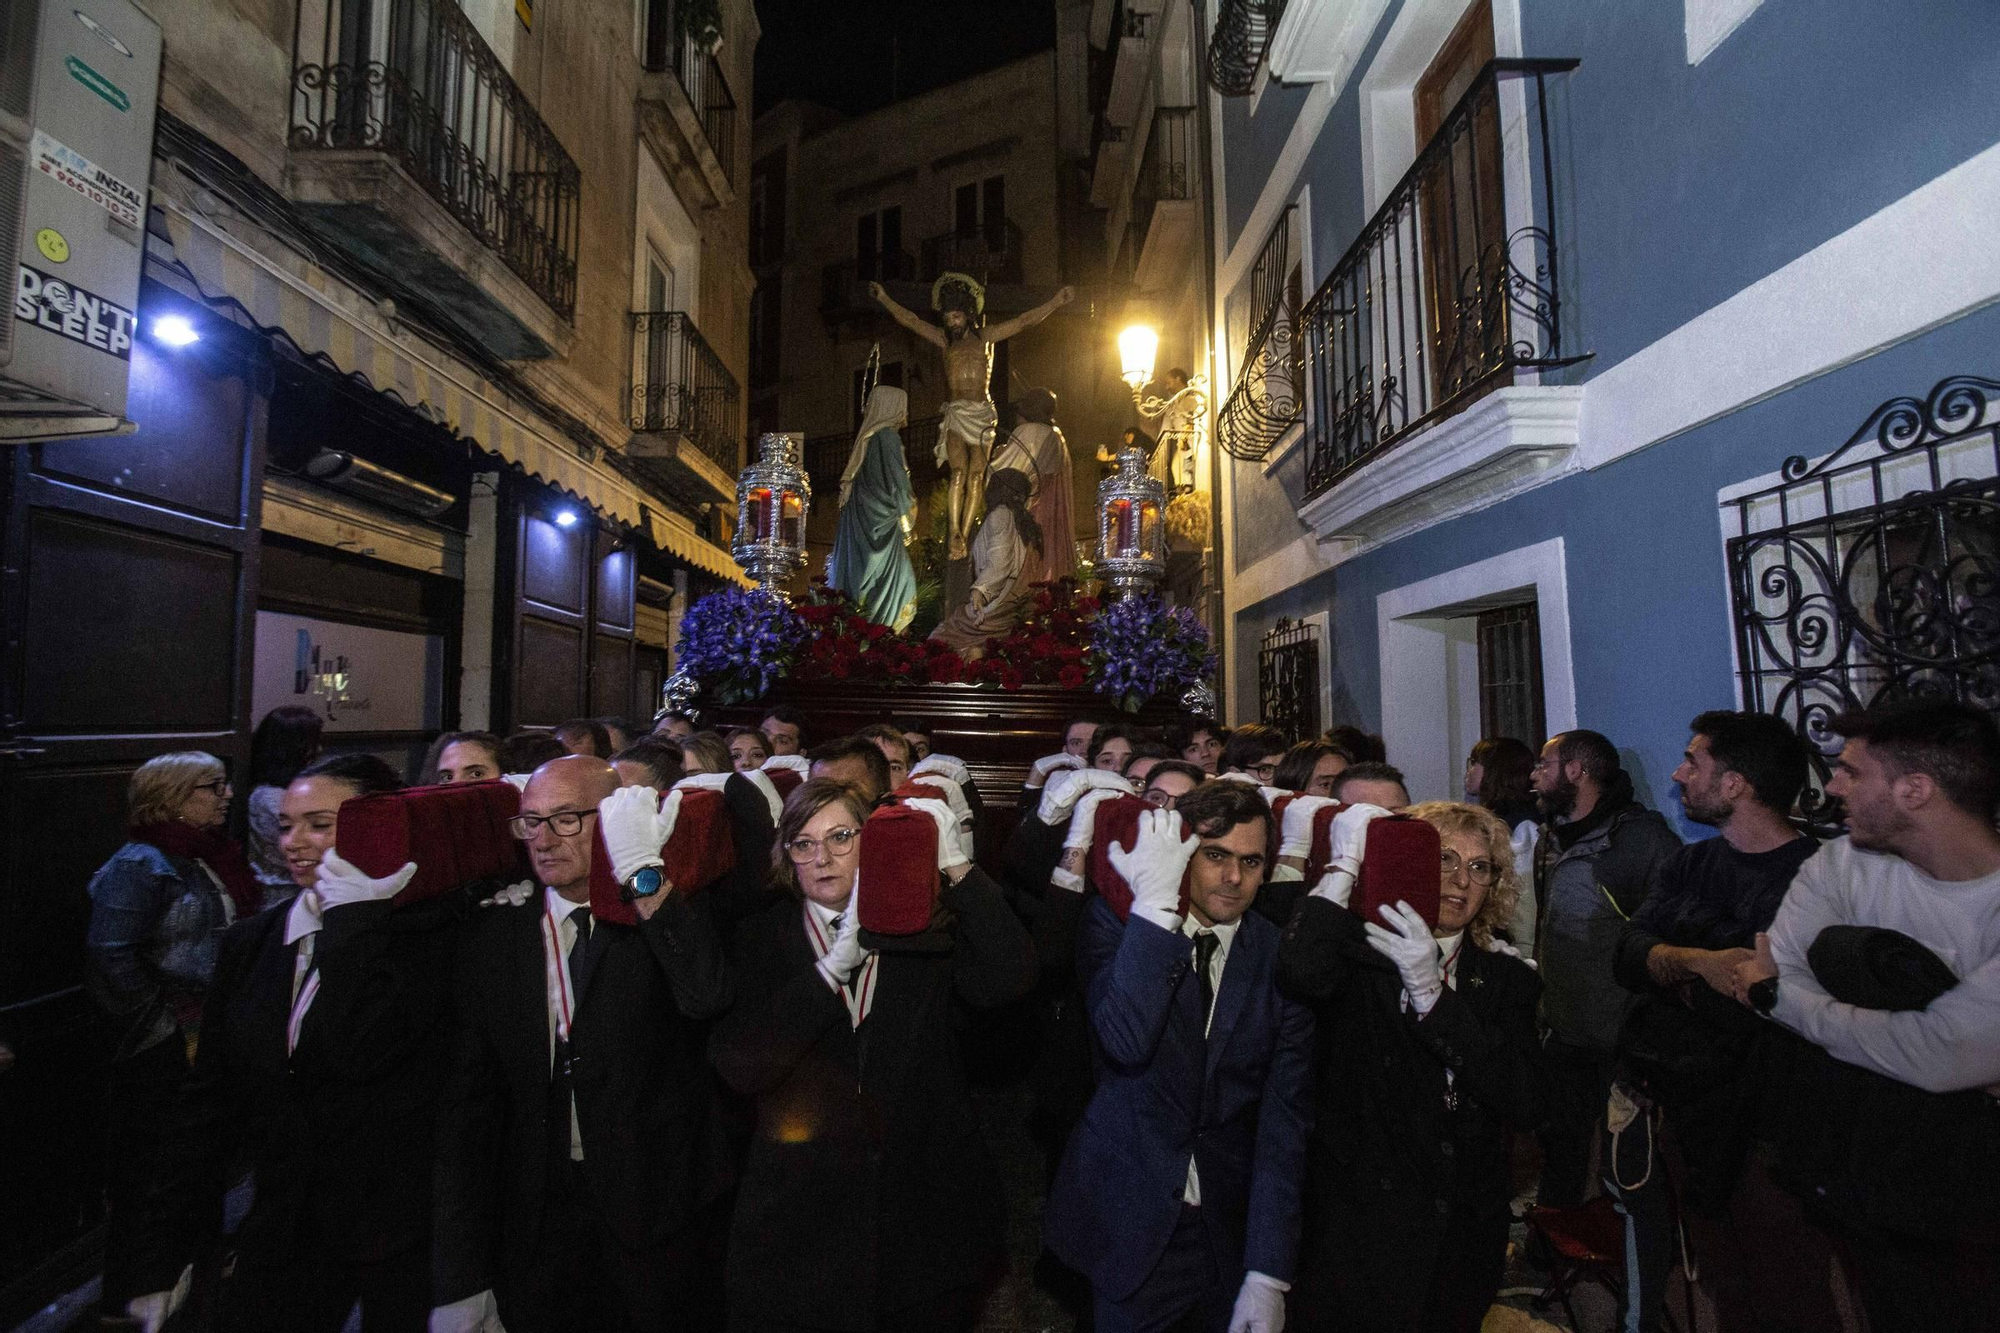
[[1288, 679], [1874, 574]]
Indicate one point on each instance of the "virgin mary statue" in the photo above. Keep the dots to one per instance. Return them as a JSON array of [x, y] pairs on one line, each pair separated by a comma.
[[876, 506]]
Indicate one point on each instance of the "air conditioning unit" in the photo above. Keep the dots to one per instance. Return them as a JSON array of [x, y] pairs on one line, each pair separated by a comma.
[[79, 80], [392, 490]]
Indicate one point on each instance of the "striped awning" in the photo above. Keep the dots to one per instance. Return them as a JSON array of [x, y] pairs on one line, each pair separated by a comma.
[[325, 317]]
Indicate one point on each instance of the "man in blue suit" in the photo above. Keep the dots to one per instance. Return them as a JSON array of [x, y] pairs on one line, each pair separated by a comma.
[[1178, 1196]]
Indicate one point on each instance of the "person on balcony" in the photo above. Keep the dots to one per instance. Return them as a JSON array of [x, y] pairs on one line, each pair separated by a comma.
[[877, 509]]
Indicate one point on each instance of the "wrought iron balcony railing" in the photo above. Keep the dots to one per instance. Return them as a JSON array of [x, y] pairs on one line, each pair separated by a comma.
[[1266, 399], [991, 253], [414, 80], [700, 77], [1166, 171], [826, 455], [680, 386], [1241, 40], [1449, 289]]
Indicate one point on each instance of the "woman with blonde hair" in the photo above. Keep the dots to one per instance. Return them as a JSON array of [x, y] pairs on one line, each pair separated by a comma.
[[158, 908], [706, 752], [868, 1199], [1427, 1060]]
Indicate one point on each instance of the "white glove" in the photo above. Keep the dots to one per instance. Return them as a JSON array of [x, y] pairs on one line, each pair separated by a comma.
[[705, 781], [1083, 824], [1498, 945], [1350, 842], [520, 780], [845, 953], [511, 896], [944, 765], [1260, 1305], [340, 882], [636, 824], [1243, 778], [798, 763], [155, 1308], [950, 853], [1049, 763], [1297, 833], [1408, 944], [1062, 793], [1155, 865], [474, 1314], [954, 796], [1271, 794]]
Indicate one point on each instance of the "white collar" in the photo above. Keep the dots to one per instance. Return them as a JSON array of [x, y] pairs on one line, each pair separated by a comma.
[[1226, 933], [303, 918], [825, 915], [560, 907]]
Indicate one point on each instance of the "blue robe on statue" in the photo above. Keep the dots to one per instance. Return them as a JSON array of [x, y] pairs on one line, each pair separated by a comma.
[[868, 562]]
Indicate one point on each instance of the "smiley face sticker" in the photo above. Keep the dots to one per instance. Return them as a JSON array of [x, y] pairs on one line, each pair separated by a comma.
[[53, 245]]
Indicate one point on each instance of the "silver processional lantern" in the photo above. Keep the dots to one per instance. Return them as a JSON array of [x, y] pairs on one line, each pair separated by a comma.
[[773, 496], [1131, 539]]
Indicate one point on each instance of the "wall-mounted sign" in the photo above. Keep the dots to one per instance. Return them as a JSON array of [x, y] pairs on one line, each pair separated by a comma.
[[120, 199], [357, 677], [68, 311], [53, 245]]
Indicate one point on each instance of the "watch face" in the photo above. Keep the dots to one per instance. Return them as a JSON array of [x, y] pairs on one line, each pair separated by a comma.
[[646, 882]]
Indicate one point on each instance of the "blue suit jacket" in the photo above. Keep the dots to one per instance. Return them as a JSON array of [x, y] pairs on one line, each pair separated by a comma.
[[1238, 1102]]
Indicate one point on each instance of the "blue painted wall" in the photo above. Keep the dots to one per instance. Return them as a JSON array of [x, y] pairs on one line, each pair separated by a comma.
[[1650, 624]]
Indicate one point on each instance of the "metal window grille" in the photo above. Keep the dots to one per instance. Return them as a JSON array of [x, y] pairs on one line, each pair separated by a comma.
[[1288, 679], [680, 386], [1510, 673], [1874, 574], [1239, 44]]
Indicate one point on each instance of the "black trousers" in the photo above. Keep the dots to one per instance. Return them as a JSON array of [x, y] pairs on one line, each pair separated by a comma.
[[316, 1296], [139, 1109], [1579, 1082], [585, 1280]]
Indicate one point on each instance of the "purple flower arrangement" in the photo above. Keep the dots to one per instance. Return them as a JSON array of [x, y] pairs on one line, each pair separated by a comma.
[[1139, 650], [740, 642]]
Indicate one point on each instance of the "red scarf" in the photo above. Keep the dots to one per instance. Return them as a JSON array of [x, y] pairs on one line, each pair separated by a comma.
[[220, 854]]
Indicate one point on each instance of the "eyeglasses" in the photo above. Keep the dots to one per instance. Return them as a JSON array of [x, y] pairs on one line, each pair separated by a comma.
[[804, 851], [1481, 872], [220, 786], [1263, 772], [1160, 797], [566, 823]]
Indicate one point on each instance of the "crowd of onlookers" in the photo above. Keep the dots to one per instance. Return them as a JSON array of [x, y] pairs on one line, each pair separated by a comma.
[[1281, 1078]]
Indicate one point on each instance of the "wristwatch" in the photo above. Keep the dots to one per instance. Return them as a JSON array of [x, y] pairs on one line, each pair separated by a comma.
[[644, 883], [1764, 995]]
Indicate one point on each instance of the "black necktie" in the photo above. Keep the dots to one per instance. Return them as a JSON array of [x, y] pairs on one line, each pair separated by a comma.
[[579, 957], [1206, 942]]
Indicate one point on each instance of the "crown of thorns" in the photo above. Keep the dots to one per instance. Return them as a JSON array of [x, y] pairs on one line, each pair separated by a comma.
[[958, 291]]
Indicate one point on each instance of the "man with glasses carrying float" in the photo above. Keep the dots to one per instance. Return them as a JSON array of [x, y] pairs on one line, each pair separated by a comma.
[[574, 1147]]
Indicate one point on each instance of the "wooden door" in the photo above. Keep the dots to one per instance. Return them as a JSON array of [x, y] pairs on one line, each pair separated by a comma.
[[128, 570], [1463, 221]]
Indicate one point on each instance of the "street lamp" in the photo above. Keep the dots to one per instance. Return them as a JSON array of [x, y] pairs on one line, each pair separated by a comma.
[[1138, 350]]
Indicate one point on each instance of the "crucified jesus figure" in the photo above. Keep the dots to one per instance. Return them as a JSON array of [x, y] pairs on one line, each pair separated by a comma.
[[967, 431]]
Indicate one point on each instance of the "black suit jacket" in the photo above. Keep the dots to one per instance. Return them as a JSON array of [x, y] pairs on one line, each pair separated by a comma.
[[339, 1133], [868, 1186], [1388, 1164], [643, 1094]]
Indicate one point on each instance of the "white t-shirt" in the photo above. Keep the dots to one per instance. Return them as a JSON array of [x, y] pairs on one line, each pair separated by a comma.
[[1953, 1044]]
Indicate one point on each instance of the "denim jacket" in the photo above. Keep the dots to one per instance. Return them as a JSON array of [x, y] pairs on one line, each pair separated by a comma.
[[156, 924]]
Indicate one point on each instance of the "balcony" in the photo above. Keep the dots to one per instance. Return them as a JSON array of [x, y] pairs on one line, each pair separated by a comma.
[[826, 456], [843, 289], [991, 253], [684, 406], [1163, 208], [687, 114], [1265, 403], [1134, 26], [1240, 42], [1413, 349], [415, 152]]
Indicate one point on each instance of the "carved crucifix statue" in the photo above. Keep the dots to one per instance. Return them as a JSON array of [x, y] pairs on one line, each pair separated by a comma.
[[967, 431]]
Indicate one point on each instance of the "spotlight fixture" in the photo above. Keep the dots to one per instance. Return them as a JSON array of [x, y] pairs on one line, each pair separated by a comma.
[[174, 331], [565, 518]]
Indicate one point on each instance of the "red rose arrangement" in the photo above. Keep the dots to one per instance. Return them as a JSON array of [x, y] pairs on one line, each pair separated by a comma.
[[1050, 647]]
